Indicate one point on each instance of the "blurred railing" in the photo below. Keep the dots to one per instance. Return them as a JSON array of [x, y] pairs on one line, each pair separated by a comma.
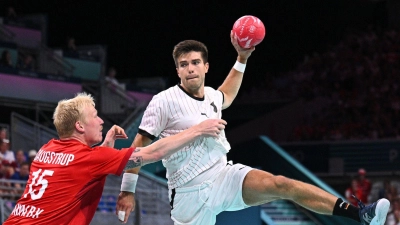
[[10, 192], [6, 34], [28, 134], [52, 63], [120, 106], [346, 157], [152, 205]]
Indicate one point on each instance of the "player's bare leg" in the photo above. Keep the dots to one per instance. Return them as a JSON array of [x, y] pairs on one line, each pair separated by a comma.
[[260, 187]]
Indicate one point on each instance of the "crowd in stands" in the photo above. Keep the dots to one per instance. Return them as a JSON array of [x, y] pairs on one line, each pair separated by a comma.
[[24, 62], [14, 167], [361, 187], [357, 77], [390, 191]]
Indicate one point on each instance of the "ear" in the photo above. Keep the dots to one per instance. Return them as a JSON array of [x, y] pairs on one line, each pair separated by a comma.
[[79, 127], [206, 65]]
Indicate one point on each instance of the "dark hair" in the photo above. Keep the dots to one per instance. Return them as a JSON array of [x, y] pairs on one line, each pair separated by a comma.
[[187, 46], [4, 56], [25, 163]]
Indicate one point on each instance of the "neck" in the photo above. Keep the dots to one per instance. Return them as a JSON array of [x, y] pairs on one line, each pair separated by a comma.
[[198, 93], [75, 137]]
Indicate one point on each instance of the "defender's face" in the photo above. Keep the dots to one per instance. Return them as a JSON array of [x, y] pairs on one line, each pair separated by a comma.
[[93, 126], [192, 71]]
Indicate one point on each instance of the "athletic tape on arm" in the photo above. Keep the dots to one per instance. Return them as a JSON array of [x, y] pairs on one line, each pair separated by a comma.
[[129, 181], [239, 66]]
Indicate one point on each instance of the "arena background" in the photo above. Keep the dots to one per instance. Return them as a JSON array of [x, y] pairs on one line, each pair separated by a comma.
[[139, 37]]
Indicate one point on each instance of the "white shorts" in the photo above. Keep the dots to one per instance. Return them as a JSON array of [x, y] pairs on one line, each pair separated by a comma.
[[200, 204]]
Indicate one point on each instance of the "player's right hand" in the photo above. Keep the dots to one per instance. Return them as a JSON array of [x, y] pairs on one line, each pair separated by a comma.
[[211, 127], [243, 53], [126, 204]]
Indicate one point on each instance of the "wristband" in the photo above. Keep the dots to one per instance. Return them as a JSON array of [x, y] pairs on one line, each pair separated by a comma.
[[239, 66], [129, 181]]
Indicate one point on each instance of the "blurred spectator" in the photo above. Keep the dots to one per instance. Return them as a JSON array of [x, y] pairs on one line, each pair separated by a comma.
[[388, 191], [7, 169], [364, 185], [23, 174], [3, 133], [32, 154], [112, 81], [27, 63], [71, 44], [353, 190], [119, 88], [71, 49], [11, 14], [5, 152], [393, 217], [20, 158], [5, 60]]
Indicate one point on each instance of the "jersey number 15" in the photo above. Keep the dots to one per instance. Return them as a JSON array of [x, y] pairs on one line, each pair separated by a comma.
[[40, 181]]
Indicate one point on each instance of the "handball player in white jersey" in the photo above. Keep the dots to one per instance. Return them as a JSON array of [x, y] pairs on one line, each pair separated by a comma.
[[200, 180]]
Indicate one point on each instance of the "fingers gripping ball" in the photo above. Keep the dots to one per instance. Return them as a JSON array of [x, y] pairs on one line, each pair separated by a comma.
[[249, 31]]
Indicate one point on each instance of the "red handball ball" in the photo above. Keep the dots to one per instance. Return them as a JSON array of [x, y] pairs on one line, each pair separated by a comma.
[[249, 31]]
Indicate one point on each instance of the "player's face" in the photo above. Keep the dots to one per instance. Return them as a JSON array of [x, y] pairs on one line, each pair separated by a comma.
[[192, 71], [93, 126]]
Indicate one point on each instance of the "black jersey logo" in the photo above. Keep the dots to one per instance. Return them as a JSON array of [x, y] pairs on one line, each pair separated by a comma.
[[203, 114], [213, 105]]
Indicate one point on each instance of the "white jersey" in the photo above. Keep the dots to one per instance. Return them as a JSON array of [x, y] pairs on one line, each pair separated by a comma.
[[174, 110]]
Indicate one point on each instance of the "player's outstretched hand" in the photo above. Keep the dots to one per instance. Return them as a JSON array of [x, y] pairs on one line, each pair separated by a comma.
[[115, 132], [211, 127], [125, 205], [243, 53]]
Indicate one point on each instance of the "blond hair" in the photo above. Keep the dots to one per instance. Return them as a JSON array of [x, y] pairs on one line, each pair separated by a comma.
[[69, 111]]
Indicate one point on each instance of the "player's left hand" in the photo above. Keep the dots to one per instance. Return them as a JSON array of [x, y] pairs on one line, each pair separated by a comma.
[[116, 132], [243, 53], [125, 205]]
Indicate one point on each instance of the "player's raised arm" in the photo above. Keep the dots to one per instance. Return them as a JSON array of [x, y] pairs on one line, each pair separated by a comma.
[[230, 87], [247, 32]]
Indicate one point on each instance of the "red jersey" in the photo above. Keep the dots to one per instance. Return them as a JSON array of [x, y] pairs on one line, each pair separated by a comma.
[[365, 186], [66, 182]]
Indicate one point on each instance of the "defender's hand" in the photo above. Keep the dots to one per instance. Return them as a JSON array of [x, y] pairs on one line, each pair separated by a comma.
[[125, 205], [115, 132], [211, 127]]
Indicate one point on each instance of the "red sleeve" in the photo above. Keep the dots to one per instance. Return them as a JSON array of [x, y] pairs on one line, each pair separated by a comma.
[[105, 160]]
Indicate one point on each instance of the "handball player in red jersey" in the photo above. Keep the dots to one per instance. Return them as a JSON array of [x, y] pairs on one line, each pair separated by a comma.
[[67, 175]]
